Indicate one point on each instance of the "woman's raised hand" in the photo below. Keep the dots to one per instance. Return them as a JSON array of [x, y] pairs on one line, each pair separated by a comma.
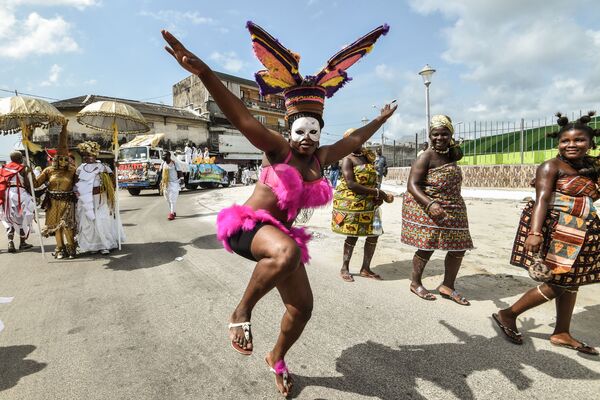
[[388, 110], [184, 57]]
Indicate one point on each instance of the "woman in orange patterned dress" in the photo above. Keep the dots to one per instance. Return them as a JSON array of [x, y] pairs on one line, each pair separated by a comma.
[[560, 231], [434, 214]]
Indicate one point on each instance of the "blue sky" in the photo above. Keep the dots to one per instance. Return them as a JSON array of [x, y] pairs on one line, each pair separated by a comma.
[[494, 60]]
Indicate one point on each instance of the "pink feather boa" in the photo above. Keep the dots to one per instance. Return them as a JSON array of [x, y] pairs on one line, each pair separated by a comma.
[[235, 218]]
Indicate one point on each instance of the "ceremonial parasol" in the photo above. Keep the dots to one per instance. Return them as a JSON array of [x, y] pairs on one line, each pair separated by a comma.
[[113, 117], [24, 114]]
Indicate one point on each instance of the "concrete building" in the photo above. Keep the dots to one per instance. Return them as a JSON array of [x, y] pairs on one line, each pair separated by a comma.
[[224, 138], [178, 124]]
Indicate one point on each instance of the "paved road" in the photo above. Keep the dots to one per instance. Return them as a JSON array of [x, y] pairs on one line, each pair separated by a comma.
[[141, 325]]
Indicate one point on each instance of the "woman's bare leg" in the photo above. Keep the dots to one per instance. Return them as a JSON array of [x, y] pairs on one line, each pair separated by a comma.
[[278, 256], [349, 244], [420, 260], [452, 265], [297, 296], [370, 246], [532, 298]]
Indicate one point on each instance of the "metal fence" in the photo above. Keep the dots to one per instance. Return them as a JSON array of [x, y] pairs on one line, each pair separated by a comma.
[[523, 141]]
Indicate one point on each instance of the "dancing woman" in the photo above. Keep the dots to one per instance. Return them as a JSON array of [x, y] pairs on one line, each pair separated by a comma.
[[560, 229], [261, 229], [434, 214]]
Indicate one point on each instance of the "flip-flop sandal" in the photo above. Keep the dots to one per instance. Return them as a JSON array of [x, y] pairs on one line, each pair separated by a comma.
[[372, 275], [582, 348], [423, 293], [247, 333], [282, 370], [455, 297], [347, 277], [512, 336]]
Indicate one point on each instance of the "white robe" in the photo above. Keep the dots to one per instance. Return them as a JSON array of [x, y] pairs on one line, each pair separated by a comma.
[[10, 215], [97, 224], [172, 188]]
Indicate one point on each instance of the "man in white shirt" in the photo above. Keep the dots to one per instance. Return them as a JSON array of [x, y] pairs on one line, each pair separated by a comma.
[[170, 184], [187, 151]]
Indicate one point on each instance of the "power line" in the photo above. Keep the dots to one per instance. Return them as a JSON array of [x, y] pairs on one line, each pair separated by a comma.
[[16, 92]]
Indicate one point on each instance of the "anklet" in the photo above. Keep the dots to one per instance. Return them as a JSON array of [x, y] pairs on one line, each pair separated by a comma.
[[543, 295]]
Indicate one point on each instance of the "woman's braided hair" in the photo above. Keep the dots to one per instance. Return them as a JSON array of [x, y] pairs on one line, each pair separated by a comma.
[[579, 124]]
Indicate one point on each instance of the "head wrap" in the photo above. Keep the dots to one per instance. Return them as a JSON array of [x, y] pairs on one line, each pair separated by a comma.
[[89, 148], [282, 75], [438, 121]]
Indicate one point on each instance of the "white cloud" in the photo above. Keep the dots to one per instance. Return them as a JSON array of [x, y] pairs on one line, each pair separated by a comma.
[[90, 82], [528, 58], [174, 16], [79, 4], [52, 80], [385, 72], [36, 35], [228, 60]]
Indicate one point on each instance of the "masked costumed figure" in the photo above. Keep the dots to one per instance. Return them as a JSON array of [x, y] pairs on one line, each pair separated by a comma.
[[16, 204], [60, 200], [97, 223], [291, 180]]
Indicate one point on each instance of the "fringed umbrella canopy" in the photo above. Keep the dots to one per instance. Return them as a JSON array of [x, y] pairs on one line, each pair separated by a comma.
[[105, 116], [19, 111]]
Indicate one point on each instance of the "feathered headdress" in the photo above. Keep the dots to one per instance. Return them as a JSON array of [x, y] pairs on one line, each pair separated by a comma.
[[282, 75]]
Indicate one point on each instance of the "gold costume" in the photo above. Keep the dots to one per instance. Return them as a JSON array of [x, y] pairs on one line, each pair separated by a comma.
[[60, 200]]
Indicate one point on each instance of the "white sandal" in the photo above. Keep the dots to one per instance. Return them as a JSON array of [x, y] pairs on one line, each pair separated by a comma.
[[247, 333]]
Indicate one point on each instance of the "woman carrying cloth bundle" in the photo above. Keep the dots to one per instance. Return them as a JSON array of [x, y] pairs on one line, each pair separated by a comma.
[[261, 229], [558, 239], [434, 214]]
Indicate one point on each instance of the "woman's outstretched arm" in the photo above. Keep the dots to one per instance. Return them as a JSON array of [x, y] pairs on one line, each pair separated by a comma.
[[234, 109], [340, 149]]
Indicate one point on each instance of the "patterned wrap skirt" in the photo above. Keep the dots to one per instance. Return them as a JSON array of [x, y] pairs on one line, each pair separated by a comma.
[[585, 269], [419, 230], [353, 214]]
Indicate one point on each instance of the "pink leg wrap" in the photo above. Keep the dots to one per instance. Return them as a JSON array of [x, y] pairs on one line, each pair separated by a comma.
[[235, 218], [280, 367]]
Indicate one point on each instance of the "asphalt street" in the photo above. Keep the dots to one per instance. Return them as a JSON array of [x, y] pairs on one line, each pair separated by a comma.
[[150, 321]]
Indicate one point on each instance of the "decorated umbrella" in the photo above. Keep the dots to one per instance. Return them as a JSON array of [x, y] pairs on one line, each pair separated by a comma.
[[24, 114], [113, 118]]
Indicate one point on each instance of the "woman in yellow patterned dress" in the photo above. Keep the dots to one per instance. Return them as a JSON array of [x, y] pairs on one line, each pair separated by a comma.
[[60, 200], [355, 200]]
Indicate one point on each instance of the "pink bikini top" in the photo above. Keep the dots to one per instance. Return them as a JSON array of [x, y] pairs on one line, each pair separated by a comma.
[[292, 192]]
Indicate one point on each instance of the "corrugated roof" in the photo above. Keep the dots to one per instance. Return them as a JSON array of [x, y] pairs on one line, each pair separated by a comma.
[[163, 110]]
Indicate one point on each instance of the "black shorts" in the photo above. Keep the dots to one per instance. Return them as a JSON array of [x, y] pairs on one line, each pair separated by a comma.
[[241, 242]]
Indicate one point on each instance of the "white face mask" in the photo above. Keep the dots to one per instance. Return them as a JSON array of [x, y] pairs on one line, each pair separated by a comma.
[[304, 126]]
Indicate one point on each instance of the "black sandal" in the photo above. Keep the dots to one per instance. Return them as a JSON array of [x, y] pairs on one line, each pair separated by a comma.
[[513, 336], [582, 348], [455, 297]]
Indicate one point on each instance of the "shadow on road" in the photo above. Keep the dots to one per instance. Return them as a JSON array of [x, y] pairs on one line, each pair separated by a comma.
[[14, 366], [207, 242], [145, 255], [375, 370], [399, 270]]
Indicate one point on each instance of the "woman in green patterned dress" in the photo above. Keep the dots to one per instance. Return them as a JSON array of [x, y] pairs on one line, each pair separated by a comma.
[[355, 200], [434, 214]]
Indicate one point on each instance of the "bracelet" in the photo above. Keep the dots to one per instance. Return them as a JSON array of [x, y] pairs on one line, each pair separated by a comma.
[[535, 234], [428, 206], [377, 195]]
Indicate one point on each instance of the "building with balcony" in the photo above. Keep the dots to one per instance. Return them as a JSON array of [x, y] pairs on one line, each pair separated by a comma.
[[224, 138]]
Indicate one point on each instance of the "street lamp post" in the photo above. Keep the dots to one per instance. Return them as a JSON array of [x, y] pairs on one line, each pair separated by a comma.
[[382, 131], [426, 74], [364, 120]]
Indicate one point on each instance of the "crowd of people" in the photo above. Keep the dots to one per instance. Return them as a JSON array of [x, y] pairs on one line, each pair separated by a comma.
[[79, 203], [558, 238]]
